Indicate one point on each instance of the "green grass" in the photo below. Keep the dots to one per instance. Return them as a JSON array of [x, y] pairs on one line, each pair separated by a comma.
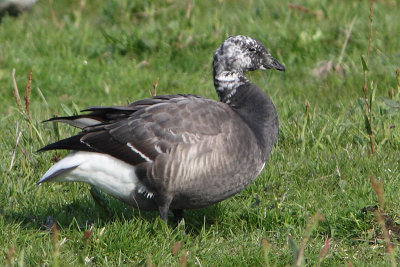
[[111, 53]]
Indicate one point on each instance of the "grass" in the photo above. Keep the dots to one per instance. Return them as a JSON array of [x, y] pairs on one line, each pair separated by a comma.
[[86, 53]]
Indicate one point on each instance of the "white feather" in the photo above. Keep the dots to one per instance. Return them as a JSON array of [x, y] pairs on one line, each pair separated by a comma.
[[80, 122], [138, 152], [261, 169], [111, 175]]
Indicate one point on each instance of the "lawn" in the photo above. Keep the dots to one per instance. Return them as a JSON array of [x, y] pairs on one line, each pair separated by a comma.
[[318, 200]]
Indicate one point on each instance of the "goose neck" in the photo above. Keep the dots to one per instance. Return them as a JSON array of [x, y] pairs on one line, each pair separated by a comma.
[[226, 84]]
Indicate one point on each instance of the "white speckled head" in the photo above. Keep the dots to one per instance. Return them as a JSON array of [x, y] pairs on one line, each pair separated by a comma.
[[241, 53]]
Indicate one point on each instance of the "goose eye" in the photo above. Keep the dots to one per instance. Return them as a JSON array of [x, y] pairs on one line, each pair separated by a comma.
[[252, 49]]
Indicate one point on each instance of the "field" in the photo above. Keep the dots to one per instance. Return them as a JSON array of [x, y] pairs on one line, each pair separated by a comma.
[[323, 199]]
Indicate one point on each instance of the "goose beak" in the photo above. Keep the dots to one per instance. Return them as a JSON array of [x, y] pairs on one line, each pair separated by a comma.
[[272, 63]]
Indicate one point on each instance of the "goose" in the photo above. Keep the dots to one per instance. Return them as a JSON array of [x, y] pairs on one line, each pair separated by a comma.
[[15, 7], [177, 152]]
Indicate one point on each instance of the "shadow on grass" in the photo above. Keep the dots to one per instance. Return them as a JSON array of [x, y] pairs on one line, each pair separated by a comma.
[[83, 213]]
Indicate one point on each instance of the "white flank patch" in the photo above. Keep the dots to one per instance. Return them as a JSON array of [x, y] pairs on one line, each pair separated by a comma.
[[143, 190], [158, 149], [111, 175], [138, 152]]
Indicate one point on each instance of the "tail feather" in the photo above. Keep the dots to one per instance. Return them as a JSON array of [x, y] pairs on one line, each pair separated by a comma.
[[78, 121], [55, 174], [71, 143], [63, 167]]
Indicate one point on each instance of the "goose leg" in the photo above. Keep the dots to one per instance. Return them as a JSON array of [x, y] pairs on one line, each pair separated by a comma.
[[178, 214], [163, 211], [101, 201], [163, 207]]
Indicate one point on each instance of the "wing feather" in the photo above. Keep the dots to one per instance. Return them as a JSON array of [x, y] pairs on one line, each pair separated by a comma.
[[144, 129]]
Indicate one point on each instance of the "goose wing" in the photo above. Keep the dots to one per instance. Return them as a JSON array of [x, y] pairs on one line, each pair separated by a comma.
[[141, 131]]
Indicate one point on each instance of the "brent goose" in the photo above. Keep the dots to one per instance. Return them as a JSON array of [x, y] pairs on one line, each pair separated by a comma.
[[15, 7], [176, 152]]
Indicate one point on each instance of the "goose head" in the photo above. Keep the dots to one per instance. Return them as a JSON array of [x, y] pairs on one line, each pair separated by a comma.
[[239, 54]]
